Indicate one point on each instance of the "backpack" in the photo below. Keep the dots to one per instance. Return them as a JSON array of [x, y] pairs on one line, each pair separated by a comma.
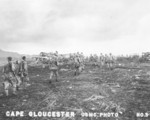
[[11, 66], [24, 66]]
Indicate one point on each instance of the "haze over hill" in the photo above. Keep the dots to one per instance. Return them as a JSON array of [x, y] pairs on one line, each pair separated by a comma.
[[7, 53], [4, 54]]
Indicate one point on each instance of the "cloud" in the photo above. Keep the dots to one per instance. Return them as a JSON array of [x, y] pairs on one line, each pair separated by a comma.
[[74, 25]]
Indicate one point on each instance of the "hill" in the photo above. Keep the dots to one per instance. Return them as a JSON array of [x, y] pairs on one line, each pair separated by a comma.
[[4, 54]]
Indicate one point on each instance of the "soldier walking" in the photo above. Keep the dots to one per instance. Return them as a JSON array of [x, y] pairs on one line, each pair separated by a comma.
[[78, 66], [18, 74], [24, 72], [53, 66], [9, 77]]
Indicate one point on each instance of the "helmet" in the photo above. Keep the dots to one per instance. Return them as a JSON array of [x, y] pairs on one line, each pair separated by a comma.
[[9, 58]]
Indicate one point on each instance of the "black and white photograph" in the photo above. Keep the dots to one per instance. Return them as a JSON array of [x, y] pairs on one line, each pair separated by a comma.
[[74, 59]]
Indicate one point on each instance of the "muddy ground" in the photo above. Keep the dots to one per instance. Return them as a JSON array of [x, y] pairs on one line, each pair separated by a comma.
[[124, 90]]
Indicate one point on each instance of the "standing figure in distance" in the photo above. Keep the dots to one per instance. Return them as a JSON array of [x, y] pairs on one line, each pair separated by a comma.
[[111, 62], [53, 66], [24, 72], [78, 65]]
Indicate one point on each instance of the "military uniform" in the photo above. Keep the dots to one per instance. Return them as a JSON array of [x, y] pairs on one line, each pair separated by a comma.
[[9, 78], [18, 74], [78, 66], [109, 61], [53, 66], [24, 72], [102, 60]]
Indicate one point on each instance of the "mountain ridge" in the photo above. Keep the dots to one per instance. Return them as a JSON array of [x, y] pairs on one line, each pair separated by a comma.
[[4, 53]]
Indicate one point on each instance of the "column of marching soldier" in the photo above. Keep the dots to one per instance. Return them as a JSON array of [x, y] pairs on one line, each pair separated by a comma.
[[15, 73]]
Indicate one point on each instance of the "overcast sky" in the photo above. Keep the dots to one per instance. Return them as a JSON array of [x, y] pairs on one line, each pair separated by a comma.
[[88, 26]]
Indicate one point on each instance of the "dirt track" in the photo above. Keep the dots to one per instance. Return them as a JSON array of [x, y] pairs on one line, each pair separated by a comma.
[[123, 91]]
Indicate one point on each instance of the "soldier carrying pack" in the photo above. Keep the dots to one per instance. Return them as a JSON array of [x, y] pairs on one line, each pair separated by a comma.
[[9, 77]]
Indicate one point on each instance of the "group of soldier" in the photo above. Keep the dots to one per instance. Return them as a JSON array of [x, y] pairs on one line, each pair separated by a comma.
[[54, 66], [15, 75], [78, 61], [107, 60]]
